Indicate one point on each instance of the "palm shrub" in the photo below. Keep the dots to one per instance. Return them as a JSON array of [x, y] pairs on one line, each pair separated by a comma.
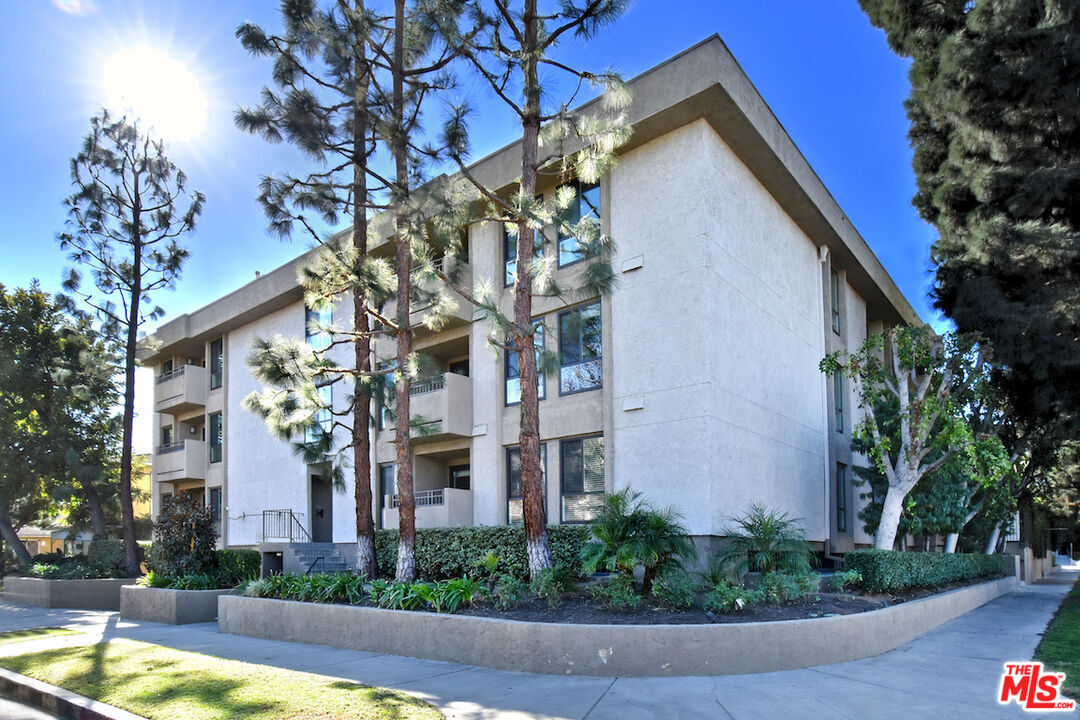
[[764, 540], [629, 532]]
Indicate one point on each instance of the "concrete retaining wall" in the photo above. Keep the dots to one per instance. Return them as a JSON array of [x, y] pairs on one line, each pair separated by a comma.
[[175, 607], [604, 650], [81, 594]]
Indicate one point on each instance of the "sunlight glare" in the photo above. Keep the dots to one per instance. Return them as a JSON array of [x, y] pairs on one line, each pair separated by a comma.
[[146, 83]]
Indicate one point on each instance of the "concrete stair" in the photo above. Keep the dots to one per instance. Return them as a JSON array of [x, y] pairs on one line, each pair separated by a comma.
[[301, 556]]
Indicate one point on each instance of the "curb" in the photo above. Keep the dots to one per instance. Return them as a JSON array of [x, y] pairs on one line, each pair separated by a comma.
[[56, 700]]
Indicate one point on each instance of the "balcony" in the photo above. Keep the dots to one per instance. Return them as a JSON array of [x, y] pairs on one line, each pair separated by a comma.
[[184, 460], [442, 507], [460, 316], [441, 408], [181, 390]]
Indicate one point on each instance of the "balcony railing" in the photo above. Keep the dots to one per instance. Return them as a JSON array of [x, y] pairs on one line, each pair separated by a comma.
[[180, 390], [165, 377], [431, 384], [424, 498], [170, 448]]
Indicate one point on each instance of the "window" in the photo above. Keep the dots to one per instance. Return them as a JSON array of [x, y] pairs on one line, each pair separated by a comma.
[[217, 363], [216, 437], [513, 373], [386, 483], [313, 320], [582, 474], [841, 497], [585, 205], [459, 367], [838, 399], [514, 509], [167, 436], [166, 368], [384, 400], [580, 349], [510, 240], [834, 283], [324, 415], [459, 477]]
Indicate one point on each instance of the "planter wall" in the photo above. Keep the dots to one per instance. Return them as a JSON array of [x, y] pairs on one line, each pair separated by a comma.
[[80, 594], [604, 650], [175, 607]]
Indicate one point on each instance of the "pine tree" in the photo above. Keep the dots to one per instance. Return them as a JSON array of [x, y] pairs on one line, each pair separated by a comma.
[[995, 125], [323, 75], [130, 206], [508, 47]]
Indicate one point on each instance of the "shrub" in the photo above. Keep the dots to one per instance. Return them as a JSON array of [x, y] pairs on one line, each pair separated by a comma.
[[549, 586], [781, 586], [154, 580], [629, 532], [764, 540], [236, 566], [184, 538], [106, 557], [894, 570], [199, 581], [675, 588], [508, 591], [446, 553], [618, 594], [842, 580], [45, 571], [728, 597]]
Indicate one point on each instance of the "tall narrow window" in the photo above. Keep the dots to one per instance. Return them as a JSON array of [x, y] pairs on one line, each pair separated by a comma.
[[217, 363], [166, 368], [513, 372], [510, 240], [841, 497], [838, 399], [515, 510], [167, 436], [580, 349], [585, 205], [834, 284], [582, 475], [315, 322], [386, 483], [216, 437], [324, 416]]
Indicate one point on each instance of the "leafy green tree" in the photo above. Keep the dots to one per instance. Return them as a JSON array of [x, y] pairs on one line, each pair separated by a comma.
[[510, 47], [996, 135], [130, 206], [910, 370], [323, 81]]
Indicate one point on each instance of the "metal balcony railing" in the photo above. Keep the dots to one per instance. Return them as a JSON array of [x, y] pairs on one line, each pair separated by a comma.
[[165, 377], [424, 498], [174, 447], [431, 384]]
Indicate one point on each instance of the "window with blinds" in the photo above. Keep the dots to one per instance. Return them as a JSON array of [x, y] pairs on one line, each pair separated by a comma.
[[582, 476]]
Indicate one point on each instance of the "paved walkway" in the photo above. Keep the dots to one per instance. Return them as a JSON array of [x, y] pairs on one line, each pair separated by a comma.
[[952, 672]]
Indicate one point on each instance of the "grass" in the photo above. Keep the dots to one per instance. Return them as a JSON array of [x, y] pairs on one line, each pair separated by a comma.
[[18, 636], [1060, 647], [159, 682]]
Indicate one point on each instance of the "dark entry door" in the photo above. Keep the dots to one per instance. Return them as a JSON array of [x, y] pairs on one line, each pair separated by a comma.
[[322, 510]]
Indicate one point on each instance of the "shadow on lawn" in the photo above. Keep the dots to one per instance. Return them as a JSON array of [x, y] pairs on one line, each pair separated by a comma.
[[393, 704]]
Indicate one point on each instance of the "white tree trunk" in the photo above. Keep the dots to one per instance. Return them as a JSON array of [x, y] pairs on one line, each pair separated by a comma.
[[991, 544], [891, 509], [950, 542]]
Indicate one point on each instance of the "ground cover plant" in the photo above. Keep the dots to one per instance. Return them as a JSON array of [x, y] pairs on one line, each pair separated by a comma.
[[160, 683], [1060, 647]]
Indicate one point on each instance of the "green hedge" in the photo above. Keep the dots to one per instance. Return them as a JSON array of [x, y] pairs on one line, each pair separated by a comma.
[[893, 570], [235, 566], [447, 553], [106, 557]]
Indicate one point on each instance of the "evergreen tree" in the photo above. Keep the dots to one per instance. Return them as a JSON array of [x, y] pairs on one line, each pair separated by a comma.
[[508, 47], [130, 206], [995, 125], [323, 77]]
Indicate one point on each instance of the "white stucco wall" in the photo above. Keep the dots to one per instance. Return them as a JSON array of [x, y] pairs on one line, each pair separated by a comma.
[[719, 332]]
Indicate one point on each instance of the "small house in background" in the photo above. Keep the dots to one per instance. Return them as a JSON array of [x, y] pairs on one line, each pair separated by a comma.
[[54, 539]]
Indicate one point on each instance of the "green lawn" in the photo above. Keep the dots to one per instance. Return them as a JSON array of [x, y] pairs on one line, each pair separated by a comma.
[[18, 636], [1060, 647], [159, 682]]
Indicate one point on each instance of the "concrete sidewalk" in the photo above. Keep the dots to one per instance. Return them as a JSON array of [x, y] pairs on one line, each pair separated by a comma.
[[951, 672]]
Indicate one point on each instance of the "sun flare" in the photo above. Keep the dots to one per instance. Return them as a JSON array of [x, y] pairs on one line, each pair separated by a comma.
[[146, 83]]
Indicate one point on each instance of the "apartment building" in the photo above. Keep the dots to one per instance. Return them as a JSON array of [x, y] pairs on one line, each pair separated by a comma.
[[696, 381]]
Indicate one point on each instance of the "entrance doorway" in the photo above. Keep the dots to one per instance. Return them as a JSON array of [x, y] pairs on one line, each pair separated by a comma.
[[322, 510]]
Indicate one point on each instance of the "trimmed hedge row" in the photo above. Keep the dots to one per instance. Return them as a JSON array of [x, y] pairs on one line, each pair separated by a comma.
[[447, 553], [893, 570], [230, 567]]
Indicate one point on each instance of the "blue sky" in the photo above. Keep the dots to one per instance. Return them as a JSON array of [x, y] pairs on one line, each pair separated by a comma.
[[827, 74]]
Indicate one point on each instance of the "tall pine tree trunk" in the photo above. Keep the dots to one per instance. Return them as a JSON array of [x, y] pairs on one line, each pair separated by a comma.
[[361, 437], [127, 509], [532, 496], [406, 560]]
